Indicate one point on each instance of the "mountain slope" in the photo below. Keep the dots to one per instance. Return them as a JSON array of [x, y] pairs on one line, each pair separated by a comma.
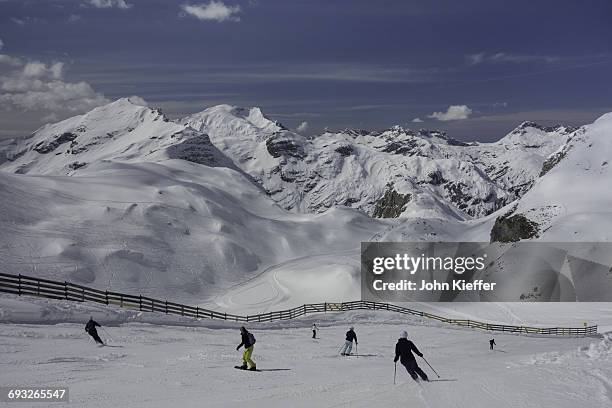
[[178, 229], [392, 173], [122, 131]]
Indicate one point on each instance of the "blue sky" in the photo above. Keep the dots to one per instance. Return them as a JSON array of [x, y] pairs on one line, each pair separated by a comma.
[[473, 68]]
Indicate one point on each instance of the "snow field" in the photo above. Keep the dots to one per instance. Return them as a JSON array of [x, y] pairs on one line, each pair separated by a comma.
[[161, 366]]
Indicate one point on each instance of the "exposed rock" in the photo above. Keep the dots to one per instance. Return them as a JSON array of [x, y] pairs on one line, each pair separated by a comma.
[[45, 147], [513, 228], [76, 165], [391, 205], [436, 178], [552, 161], [345, 150], [279, 146]]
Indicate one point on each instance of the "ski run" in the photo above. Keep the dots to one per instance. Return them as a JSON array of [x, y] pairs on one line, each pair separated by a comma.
[[154, 360]]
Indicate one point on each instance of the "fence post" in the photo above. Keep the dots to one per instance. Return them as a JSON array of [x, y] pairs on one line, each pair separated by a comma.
[[106, 297], [83, 294], [166, 306], [140, 302], [325, 307], [37, 288], [197, 312], [182, 310], [20, 285], [66, 290]]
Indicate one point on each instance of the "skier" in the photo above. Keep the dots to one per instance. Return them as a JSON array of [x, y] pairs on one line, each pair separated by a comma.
[[403, 352], [248, 341], [492, 343], [348, 344], [90, 328], [314, 330]]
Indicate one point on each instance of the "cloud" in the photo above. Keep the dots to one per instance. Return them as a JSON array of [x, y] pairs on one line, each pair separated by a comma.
[[1, 44], [502, 57], [137, 100], [454, 112], [121, 4], [417, 120], [213, 11], [500, 104], [74, 18], [8, 60], [303, 127], [38, 70], [40, 87]]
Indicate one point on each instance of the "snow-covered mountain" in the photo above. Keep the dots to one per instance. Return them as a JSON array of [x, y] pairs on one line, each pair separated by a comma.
[[120, 131], [124, 198], [396, 172]]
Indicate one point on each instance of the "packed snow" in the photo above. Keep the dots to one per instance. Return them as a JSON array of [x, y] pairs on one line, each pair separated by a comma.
[[158, 365]]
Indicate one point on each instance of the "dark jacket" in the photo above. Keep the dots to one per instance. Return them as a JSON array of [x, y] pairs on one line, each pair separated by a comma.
[[91, 326], [350, 336], [404, 349], [245, 340]]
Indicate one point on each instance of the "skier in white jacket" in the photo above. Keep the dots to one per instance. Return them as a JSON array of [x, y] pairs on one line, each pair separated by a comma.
[[314, 330]]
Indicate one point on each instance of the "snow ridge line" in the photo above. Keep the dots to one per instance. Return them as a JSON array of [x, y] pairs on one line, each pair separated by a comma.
[[23, 285]]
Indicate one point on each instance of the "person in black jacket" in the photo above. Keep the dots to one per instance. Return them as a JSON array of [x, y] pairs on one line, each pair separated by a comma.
[[348, 344], [248, 341], [403, 352], [90, 328], [491, 343]]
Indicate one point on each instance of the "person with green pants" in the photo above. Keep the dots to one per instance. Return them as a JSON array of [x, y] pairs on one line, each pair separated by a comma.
[[248, 341]]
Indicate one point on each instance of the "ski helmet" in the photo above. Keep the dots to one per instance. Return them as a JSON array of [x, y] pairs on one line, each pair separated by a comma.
[[352, 327], [404, 334]]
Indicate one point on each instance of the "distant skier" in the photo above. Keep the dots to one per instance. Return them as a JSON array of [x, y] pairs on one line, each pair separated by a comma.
[[248, 341], [403, 353], [90, 328], [492, 343], [348, 344], [314, 330]]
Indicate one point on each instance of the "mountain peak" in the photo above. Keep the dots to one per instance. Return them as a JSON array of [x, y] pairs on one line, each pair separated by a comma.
[[547, 129]]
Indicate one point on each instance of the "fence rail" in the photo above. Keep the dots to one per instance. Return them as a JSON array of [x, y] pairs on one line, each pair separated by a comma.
[[27, 285]]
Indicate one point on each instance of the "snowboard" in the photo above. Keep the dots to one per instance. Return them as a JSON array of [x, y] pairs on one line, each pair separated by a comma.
[[245, 369]]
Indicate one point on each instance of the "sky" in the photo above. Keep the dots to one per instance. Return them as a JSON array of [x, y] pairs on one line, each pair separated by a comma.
[[475, 69]]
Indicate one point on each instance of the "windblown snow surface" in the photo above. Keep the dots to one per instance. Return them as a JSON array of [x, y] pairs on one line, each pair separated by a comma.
[[229, 210]]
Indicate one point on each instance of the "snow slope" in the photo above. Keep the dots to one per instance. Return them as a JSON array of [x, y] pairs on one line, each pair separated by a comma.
[[123, 198], [178, 229], [158, 366], [573, 200]]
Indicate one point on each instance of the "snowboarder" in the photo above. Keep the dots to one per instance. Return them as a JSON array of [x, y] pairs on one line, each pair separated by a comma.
[[403, 353], [248, 341], [90, 328], [348, 344], [314, 330], [492, 343]]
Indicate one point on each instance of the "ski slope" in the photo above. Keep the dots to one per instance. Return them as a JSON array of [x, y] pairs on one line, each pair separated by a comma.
[[153, 365]]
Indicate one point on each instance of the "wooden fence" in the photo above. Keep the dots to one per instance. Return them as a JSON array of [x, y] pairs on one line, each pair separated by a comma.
[[27, 285]]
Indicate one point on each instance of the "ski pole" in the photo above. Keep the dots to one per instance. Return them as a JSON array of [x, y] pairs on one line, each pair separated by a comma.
[[357, 349], [394, 372], [109, 336], [432, 369]]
